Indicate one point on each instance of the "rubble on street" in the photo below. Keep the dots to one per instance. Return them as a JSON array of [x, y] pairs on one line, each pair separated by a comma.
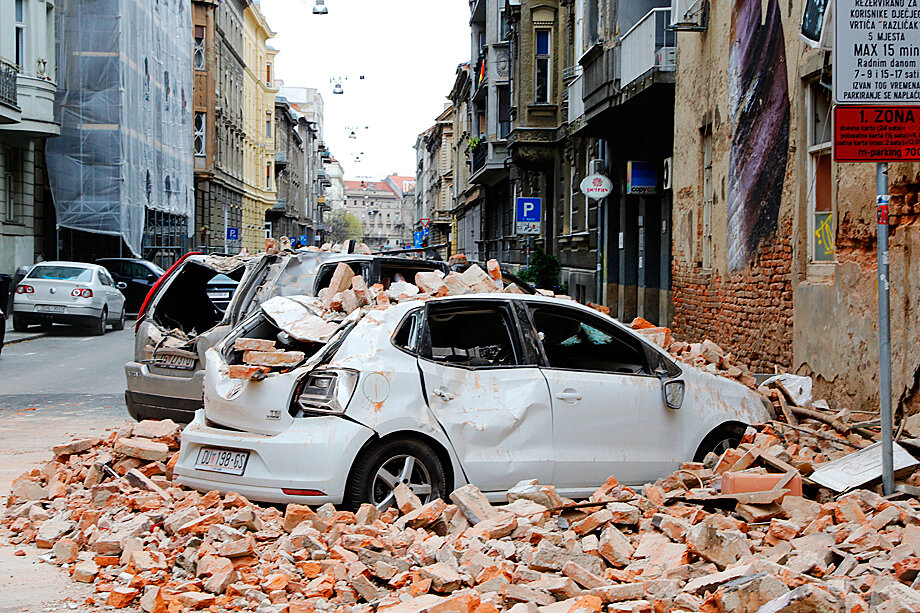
[[108, 512]]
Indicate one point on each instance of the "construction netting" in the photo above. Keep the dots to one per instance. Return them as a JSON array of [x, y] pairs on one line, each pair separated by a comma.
[[124, 98]]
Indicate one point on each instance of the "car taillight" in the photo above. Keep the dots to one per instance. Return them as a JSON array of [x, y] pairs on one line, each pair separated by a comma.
[[25, 289], [156, 286], [326, 391], [82, 292], [291, 492]]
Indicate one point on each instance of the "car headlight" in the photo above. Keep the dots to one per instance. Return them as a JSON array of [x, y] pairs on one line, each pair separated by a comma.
[[325, 391]]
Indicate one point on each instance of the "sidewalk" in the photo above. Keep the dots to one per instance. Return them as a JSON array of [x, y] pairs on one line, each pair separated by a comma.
[[13, 337]]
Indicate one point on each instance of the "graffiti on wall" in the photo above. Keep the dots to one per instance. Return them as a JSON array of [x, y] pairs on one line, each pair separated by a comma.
[[759, 99]]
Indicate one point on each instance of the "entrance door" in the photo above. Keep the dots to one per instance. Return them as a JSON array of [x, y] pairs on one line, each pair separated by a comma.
[[493, 405]]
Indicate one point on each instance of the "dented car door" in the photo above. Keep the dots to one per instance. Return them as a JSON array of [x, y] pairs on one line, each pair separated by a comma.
[[609, 415], [489, 398]]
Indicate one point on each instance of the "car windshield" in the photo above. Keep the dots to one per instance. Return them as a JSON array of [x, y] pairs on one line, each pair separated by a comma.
[[222, 280], [66, 273]]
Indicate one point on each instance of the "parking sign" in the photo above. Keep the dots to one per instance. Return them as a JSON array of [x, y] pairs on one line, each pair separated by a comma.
[[302, 239], [233, 234], [528, 212]]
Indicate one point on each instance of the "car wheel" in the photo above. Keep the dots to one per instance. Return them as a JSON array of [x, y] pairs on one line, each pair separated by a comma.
[[379, 469], [724, 437], [19, 324], [120, 324], [98, 328]]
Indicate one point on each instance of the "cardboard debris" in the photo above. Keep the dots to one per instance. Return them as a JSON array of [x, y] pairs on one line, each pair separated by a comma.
[[860, 467]]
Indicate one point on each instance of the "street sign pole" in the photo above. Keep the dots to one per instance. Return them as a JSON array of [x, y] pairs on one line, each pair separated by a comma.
[[884, 330], [226, 225]]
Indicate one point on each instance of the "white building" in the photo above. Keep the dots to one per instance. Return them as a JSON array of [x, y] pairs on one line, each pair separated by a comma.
[[27, 89]]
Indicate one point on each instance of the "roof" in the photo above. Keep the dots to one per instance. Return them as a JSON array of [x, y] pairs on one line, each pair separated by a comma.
[[380, 186]]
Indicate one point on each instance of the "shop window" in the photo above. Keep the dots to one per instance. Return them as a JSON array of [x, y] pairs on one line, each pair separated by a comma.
[[822, 229]]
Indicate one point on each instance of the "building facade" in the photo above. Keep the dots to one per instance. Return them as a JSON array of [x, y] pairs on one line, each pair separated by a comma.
[[383, 208], [217, 123], [292, 137], [259, 89], [308, 103], [28, 76], [434, 188]]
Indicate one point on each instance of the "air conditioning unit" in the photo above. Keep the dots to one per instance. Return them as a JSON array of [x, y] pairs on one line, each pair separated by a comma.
[[665, 57], [689, 15]]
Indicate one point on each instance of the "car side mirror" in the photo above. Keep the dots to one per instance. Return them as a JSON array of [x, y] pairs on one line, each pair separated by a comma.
[[673, 393], [151, 277], [121, 285]]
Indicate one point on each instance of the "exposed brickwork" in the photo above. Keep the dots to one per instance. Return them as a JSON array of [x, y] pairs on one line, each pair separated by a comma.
[[748, 313]]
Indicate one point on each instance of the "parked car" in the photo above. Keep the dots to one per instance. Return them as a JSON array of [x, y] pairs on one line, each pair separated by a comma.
[[220, 290], [183, 317], [138, 276], [486, 389], [6, 294], [508, 278], [69, 293]]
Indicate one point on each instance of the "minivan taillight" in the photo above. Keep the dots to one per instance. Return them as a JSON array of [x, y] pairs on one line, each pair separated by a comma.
[[325, 391]]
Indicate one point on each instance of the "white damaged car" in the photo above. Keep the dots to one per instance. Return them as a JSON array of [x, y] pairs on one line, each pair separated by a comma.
[[487, 389]]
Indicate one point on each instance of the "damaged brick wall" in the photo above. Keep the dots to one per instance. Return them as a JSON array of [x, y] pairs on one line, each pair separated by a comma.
[[748, 313]]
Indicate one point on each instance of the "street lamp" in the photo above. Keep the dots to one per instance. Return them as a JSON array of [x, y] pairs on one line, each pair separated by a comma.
[[320, 8]]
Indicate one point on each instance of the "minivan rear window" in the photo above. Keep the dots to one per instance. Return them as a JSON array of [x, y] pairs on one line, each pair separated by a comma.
[[62, 273]]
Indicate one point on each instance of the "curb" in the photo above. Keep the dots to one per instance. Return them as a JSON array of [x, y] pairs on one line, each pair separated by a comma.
[[23, 340]]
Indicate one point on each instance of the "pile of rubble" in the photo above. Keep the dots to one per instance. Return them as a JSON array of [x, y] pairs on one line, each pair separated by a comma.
[[727, 534]]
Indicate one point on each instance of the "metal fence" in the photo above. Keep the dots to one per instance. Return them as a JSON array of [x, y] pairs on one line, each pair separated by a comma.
[[8, 74]]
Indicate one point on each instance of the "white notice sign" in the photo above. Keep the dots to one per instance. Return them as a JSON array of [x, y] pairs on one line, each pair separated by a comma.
[[877, 52]]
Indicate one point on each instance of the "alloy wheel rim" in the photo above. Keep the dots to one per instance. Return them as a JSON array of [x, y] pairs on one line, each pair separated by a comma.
[[406, 469]]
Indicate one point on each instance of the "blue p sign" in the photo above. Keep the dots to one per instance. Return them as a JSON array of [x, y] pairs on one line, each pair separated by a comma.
[[233, 234], [527, 215]]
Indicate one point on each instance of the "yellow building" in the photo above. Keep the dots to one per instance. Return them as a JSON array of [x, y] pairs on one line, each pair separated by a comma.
[[258, 124]]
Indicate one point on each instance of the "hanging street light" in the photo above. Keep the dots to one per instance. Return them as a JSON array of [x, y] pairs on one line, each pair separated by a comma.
[[320, 8], [338, 89]]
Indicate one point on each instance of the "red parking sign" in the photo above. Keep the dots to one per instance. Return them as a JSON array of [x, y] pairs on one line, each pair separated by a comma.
[[877, 133]]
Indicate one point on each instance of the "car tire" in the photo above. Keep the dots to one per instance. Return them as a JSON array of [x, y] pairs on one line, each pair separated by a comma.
[[367, 483], [724, 437], [120, 324], [98, 328], [19, 324]]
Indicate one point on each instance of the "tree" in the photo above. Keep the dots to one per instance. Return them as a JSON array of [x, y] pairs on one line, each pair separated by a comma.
[[342, 225], [543, 270]]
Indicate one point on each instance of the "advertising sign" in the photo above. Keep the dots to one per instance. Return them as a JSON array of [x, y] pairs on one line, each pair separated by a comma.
[[876, 134], [528, 213], [596, 186], [641, 178], [876, 52]]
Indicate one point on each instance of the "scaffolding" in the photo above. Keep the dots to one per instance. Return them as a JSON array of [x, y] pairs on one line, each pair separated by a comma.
[[124, 156]]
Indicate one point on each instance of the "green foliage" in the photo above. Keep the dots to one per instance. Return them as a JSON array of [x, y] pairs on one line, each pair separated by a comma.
[[475, 142], [543, 271], [342, 225]]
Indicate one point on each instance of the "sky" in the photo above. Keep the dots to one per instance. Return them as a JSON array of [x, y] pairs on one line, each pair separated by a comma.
[[407, 51]]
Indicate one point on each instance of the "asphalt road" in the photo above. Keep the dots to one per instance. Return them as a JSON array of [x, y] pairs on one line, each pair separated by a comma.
[[52, 389]]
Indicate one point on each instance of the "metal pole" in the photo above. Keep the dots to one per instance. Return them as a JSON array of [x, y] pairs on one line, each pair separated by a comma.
[[884, 332], [599, 265], [226, 250]]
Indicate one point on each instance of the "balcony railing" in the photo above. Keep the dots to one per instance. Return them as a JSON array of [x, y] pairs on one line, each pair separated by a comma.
[[8, 74], [479, 157], [648, 44]]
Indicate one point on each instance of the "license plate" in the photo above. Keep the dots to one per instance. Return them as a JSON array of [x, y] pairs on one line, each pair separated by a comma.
[[47, 308], [222, 460], [175, 361], [218, 294]]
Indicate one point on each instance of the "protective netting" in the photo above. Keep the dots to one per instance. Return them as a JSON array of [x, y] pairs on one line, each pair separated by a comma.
[[125, 97]]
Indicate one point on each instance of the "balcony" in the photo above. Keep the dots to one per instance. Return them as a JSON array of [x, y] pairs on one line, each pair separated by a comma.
[[576, 102], [647, 46], [9, 102], [281, 159], [479, 157], [35, 98]]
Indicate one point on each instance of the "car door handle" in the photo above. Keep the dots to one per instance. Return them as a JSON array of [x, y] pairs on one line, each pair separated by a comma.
[[570, 396], [443, 394]]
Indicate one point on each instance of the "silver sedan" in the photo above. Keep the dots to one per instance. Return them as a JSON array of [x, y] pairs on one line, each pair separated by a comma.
[[69, 293]]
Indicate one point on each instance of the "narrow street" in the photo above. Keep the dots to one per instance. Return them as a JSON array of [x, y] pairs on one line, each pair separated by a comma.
[[81, 392]]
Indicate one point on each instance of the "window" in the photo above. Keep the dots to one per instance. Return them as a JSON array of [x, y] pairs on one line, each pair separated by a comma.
[[268, 176], [268, 229], [820, 177], [9, 198], [268, 124], [407, 336], [20, 33], [471, 336], [268, 75], [579, 341], [542, 48], [199, 48], [707, 198], [200, 135]]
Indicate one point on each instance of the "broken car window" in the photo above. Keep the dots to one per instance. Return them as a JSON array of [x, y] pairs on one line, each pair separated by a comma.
[[406, 337], [578, 341], [472, 336]]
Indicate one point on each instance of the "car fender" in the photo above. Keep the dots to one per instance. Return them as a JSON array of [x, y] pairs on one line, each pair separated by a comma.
[[713, 401]]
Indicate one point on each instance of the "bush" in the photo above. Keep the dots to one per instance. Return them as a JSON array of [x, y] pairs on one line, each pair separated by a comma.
[[543, 271]]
